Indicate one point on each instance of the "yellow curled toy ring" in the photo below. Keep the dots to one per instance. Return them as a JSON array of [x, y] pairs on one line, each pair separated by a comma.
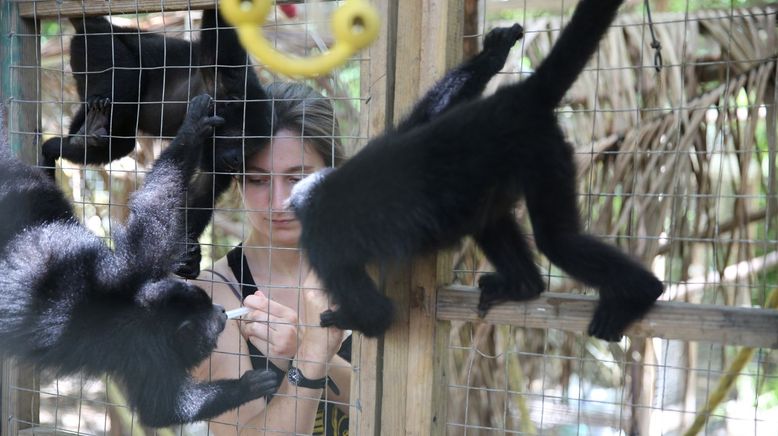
[[354, 24]]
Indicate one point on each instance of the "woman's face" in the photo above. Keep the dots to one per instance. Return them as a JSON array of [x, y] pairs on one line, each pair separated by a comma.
[[269, 178]]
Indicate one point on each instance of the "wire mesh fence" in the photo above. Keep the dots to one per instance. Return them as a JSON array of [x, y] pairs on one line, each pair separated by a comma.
[[100, 193], [676, 167]]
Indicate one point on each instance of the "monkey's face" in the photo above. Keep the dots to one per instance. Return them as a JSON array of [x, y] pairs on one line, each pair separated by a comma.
[[303, 191], [186, 315]]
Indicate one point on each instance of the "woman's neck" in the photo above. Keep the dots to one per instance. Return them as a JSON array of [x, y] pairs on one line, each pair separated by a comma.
[[274, 265]]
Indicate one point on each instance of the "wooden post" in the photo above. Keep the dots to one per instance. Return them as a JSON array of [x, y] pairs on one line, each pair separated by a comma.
[[19, 80], [376, 78], [5, 397], [405, 391], [399, 383], [470, 28]]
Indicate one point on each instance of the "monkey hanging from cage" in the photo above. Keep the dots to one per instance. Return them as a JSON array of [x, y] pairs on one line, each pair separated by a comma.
[[424, 186], [132, 80], [69, 303]]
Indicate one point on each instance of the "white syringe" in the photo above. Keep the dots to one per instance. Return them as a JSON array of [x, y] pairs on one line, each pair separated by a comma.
[[236, 313]]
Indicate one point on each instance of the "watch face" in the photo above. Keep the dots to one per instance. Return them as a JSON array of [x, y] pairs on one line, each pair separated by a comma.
[[294, 376]]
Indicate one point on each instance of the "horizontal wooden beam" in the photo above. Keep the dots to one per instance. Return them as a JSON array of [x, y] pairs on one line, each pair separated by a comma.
[[71, 8], [752, 327]]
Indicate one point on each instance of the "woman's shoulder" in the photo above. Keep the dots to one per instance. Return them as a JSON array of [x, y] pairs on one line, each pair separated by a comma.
[[219, 282]]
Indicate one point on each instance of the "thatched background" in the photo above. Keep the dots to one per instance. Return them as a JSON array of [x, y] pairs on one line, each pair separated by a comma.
[[678, 168]]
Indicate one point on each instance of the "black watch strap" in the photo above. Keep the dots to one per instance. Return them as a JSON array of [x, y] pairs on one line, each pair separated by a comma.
[[296, 377]]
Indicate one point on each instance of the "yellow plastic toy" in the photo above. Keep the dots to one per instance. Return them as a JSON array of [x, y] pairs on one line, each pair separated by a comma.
[[355, 25]]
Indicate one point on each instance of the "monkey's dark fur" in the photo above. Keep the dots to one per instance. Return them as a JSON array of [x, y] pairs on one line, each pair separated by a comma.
[[128, 79], [461, 172], [69, 303]]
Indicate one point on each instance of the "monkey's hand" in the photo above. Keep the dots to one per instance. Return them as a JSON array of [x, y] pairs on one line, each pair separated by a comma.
[[200, 116], [258, 383], [188, 266]]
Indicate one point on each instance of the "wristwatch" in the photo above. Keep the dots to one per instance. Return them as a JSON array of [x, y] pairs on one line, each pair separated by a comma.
[[296, 377]]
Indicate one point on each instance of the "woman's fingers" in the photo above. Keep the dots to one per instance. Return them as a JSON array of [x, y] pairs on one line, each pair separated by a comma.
[[273, 339], [272, 310], [270, 326]]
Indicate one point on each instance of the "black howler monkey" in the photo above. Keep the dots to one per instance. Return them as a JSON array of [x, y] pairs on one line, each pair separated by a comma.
[[461, 172], [129, 79], [69, 303]]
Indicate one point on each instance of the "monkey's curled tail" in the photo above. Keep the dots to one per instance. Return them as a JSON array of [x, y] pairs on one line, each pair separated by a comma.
[[577, 43]]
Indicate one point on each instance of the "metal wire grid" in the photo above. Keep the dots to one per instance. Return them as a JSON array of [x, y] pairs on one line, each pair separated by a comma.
[[578, 354], [522, 393], [630, 127], [100, 195]]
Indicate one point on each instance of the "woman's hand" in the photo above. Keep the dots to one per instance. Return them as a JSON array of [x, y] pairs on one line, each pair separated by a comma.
[[272, 328], [319, 344]]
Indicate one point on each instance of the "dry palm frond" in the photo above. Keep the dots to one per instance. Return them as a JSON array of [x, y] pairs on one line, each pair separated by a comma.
[[672, 165]]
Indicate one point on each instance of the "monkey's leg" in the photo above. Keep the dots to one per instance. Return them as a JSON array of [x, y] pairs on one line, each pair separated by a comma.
[[89, 141], [151, 239], [169, 403], [108, 79], [517, 277], [468, 80], [360, 306], [202, 193], [52, 148], [94, 130], [627, 289]]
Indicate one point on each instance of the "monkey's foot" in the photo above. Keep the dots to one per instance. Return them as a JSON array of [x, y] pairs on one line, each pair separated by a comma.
[[498, 43], [371, 320], [94, 131], [614, 315], [495, 289], [199, 115], [188, 266], [610, 321]]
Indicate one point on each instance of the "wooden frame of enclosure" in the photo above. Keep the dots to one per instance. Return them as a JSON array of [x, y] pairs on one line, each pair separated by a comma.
[[399, 383]]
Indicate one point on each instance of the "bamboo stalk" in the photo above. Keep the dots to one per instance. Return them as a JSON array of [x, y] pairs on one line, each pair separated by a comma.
[[727, 380]]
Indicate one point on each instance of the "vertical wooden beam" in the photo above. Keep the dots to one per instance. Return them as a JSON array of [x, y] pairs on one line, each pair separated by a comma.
[[399, 382], [376, 78], [395, 377], [413, 400], [5, 397], [20, 77], [470, 28], [19, 86], [427, 384]]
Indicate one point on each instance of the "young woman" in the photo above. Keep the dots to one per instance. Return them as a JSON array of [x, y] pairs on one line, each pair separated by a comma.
[[268, 274]]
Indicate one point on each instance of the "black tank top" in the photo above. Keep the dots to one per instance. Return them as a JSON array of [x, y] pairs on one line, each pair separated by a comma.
[[330, 421]]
